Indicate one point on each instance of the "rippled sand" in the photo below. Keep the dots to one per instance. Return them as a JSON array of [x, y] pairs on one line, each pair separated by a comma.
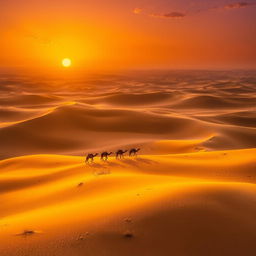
[[191, 190]]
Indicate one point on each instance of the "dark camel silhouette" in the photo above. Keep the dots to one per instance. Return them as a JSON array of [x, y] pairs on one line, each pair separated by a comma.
[[134, 151], [90, 157], [104, 155], [120, 153]]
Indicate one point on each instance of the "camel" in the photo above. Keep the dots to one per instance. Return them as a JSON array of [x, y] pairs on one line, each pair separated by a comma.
[[90, 157], [104, 155], [134, 151], [120, 153]]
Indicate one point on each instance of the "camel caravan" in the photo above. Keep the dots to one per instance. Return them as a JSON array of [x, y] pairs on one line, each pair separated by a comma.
[[119, 154]]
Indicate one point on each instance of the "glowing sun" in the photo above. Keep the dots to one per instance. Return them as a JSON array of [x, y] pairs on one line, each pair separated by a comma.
[[66, 62]]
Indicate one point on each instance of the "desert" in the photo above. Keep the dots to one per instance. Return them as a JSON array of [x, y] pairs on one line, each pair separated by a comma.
[[189, 191]]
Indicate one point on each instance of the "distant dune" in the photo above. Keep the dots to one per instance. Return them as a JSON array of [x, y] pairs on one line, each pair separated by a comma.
[[86, 115], [243, 118], [28, 100], [207, 102], [190, 191], [71, 126], [138, 99]]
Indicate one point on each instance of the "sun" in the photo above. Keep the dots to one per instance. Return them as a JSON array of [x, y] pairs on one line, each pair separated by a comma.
[[66, 62]]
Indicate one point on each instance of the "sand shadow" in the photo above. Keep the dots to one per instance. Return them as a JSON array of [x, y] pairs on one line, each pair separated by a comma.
[[136, 162]]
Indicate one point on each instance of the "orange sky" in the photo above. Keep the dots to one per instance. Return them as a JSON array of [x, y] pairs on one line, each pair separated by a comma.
[[139, 34]]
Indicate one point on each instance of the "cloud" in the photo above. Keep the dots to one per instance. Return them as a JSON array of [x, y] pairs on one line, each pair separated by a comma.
[[170, 15], [227, 7], [181, 15], [237, 5], [137, 10]]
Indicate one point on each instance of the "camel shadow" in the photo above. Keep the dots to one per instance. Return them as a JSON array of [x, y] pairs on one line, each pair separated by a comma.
[[113, 164], [97, 165], [146, 161], [136, 162]]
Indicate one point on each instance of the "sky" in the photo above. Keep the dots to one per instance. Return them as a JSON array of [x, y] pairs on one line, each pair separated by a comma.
[[115, 34]]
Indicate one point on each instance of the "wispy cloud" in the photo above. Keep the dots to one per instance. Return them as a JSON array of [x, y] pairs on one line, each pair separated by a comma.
[[180, 15], [170, 15], [237, 5]]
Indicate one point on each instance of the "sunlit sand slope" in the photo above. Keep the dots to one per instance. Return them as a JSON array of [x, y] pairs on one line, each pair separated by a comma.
[[201, 203]]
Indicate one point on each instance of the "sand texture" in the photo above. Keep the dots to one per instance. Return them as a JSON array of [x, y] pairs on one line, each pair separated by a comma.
[[190, 191]]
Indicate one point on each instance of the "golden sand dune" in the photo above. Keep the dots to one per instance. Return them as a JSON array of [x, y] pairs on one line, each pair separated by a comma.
[[150, 205], [204, 101], [28, 100], [74, 116], [190, 192], [137, 99], [51, 132], [241, 118], [13, 114]]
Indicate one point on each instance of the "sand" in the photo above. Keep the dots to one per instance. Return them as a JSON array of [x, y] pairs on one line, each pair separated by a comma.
[[190, 191]]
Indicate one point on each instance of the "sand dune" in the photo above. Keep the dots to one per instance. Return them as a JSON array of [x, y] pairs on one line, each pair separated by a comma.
[[136, 99], [244, 118], [190, 192], [28, 100], [12, 114], [152, 198], [50, 131], [205, 101]]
